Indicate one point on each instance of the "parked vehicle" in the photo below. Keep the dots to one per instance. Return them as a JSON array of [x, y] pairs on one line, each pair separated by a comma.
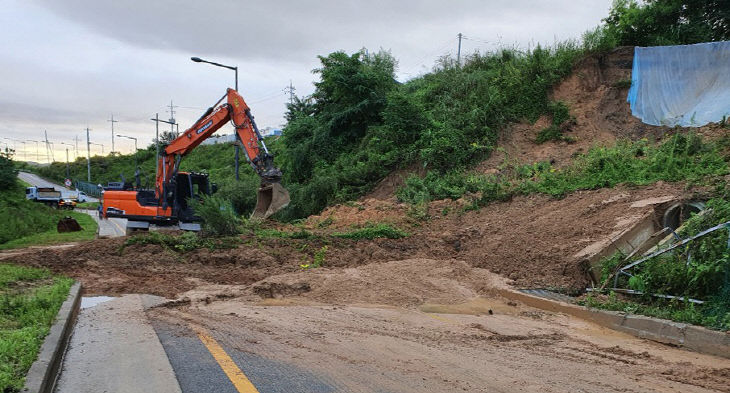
[[66, 203], [47, 195]]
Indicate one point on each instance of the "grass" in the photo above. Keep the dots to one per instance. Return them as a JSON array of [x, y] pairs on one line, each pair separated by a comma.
[[188, 241], [300, 234], [51, 236], [29, 301], [681, 157], [373, 231], [88, 205], [673, 310]]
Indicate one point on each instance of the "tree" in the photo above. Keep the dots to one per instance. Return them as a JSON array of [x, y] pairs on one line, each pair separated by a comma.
[[669, 22], [8, 173]]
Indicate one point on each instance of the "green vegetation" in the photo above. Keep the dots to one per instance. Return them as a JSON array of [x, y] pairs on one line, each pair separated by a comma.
[[88, 205], [705, 277], [29, 301], [218, 216], [682, 157], [24, 222], [360, 124], [8, 172], [561, 121], [181, 243], [373, 231], [668, 22], [51, 236], [318, 259], [674, 310]]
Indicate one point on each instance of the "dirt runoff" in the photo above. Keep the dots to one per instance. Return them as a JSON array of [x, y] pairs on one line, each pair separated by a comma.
[[424, 325], [534, 241]]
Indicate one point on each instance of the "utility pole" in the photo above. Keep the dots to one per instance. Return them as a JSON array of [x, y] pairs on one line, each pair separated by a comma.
[[458, 52], [172, 118], [68, 170], [112, 121], [88, 156], [49, 151], [290, 89], [157, 149], [37, 154]]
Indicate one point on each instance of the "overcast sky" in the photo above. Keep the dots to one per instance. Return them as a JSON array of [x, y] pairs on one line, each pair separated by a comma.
[[67, 64]]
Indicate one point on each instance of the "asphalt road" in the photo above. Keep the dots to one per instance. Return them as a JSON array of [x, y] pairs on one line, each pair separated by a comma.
[[203, 362], [38, 181], [112, 227]]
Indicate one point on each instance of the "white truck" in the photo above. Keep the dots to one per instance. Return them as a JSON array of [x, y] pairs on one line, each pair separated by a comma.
[[47, 195]]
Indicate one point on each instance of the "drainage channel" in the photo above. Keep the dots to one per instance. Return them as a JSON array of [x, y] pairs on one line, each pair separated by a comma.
[[544, 293]]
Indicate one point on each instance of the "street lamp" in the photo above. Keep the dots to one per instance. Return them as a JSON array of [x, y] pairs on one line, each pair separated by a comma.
[[199, 60], [99, 144], [37, 154], [68, 170], [135, 147], [235, 69]]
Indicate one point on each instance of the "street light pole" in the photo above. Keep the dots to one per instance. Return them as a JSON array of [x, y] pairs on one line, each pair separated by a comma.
[[235, 69], [37, 154], [68, 170], [135, 147], [88, 156]]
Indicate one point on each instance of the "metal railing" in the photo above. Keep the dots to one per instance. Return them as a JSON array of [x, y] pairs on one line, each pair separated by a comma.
[[88, 188]]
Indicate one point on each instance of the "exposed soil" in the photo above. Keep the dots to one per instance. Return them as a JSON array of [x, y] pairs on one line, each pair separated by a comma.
[[423, 325], [535, 241]]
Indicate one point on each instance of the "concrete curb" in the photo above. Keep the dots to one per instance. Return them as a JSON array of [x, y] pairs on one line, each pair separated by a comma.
[[41, 377], [683, 335]]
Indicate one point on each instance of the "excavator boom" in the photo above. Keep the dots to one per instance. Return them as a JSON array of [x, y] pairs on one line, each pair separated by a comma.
[[272, 197]]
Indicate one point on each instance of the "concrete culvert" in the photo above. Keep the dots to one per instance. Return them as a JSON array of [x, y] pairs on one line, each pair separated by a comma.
[[677, 213]]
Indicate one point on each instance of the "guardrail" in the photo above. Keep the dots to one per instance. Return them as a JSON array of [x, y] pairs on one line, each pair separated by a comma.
[[89, 188]]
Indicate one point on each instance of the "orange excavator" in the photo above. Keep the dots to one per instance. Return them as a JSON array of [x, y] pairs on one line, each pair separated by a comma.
[[169, 202]]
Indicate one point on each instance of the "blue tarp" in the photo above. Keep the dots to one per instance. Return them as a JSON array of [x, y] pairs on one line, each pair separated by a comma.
[[685, 85]]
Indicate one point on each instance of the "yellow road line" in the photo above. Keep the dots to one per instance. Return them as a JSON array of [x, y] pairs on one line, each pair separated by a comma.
[[237, 377], [439, 318], [122, 230]]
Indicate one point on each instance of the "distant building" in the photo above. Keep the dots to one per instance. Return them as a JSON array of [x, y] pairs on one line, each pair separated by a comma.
[[230, 138], [271, 131], [216, 139]]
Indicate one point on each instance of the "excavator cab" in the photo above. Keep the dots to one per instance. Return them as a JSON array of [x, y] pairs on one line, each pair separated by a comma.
[[189, 186]]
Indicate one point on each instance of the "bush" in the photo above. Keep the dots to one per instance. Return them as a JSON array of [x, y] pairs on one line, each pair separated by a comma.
[[681, 157], [185, 242], [373, 231], [8, 173], [218, 216]]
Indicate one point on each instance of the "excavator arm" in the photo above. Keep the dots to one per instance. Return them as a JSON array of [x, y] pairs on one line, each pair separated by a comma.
[[272, 196]]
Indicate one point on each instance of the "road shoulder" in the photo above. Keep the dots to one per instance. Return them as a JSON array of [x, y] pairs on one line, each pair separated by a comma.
[[114, 348]]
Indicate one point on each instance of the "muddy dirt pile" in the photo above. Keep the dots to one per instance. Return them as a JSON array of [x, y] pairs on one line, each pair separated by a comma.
[[536, 240], [405, 283], [358, 214], [106, 267], [532, 240]]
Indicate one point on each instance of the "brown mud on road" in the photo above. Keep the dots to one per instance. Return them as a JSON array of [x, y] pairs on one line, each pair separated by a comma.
[[423, 325], [535, 241]]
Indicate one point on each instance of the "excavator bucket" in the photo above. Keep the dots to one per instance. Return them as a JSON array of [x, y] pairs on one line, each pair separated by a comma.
[[271, 198]]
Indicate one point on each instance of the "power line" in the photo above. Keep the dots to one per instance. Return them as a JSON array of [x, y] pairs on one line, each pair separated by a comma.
[[290, 89], [269, 98], [440, 49]]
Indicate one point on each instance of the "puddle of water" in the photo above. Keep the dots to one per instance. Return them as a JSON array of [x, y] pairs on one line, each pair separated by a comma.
[[91, 301], [476, 306]]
